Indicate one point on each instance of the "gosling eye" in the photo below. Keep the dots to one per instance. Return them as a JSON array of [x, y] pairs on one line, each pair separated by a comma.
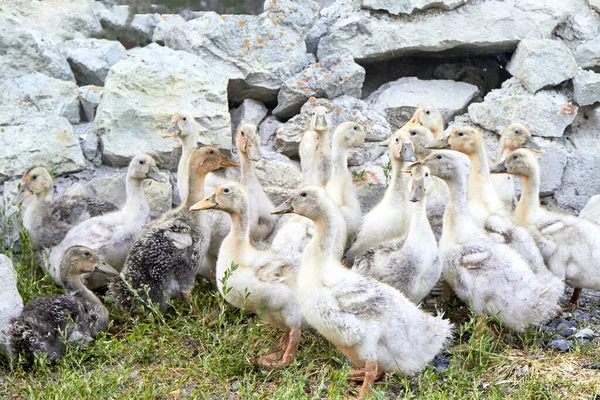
[[397, 140], [461, 133], [303, 194], [413, 133], [226, 190], [242, 133], [34, 177], [517, 131], [439, 157], [184, 119], [211, 152], [355, 128], [141, 162], [515, 157], [427, 112], [426, 173], [87, 254]]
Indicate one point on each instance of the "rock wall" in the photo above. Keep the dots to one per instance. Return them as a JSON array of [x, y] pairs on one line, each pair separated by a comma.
[[82, 104]]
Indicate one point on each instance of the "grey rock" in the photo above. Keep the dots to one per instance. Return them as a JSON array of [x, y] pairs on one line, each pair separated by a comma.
[[255, 53], [364, 153], [591, 211], [279, 176], [250, 111], [268, 129], [331, 77], [546, 113], [397, 7], [141, 94], [441, 363], [112, 188], [299, 15], [114, 17], [586, 87], [165, 24], [539, 63], [588, 54], [37, 95], [26, 50], [585, 333], [91, 59], [496, 25], [43, 141], [11, 303], [90, 97], [552, 165], [144, 24], [560, 344], [595, 4], [330, 13], [399, 99], [581, 177], [343, 108]]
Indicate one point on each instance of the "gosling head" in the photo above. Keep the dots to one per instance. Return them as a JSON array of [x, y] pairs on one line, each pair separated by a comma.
[[517, 136], [320, 120], [182, 124], [420, 183], [79, 260], [465, 139], [429, 117], [308, 201], [208, 158], [36, 181], [230, 197], [349, 134], [447, 165], [521, 163], [401, 148], [144, 167], [247, 141]]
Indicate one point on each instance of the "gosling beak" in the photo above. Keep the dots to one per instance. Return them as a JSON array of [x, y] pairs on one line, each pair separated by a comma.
[[440, 144], [207, 203], [253, 152], [320, 122], [173, 131], [408, 152], [227, 163], [414, 121], [532, 145], [24, 193], [499, 169], [106, 269], [154, 174], [386, 142], [284, 208], [418, 191]]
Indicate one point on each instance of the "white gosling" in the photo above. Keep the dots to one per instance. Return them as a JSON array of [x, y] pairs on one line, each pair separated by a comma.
[[570, 245], [112, 235], [492, 276], [374, 325], [185, 128], [315, 149], [263, 282]]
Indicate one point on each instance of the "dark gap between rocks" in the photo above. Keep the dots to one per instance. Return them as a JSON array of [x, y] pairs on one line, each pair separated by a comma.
[[486, 71]]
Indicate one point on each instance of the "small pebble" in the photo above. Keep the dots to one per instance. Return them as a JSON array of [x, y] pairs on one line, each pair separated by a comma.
[[560, 344], [441, 363]]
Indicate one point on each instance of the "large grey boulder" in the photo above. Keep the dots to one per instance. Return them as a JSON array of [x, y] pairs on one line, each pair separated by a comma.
[[278, 175], [90, 96], [591, 211], [586, 87], [495, 25], [35, 95], [331, 77], [267, 130], [165, 23], [42, 141], [90, 59], [399, 99], [397, 7], [254, 52], [144, 24], [250, 111], [25, 50], [581, 178], [141, 93], [343, 108], [552, 165], [539, 63], [546, 113], [587, 54], [11, 303]]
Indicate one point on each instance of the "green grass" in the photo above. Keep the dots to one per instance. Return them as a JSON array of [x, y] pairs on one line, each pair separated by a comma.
[[213, 355]]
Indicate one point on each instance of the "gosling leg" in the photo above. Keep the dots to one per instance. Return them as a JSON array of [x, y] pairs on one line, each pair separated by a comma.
[[370, 377], [189, 301], [574, 302]]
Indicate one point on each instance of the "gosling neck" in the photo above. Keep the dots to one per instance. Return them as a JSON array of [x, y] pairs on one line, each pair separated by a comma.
[[339, 161], [324, 238], [136, 206], [458, 223], [240, 225], [75, 287], [397, 186], [480, 185], [529, 204], [325, 141], [188, 144], [248, 169]]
